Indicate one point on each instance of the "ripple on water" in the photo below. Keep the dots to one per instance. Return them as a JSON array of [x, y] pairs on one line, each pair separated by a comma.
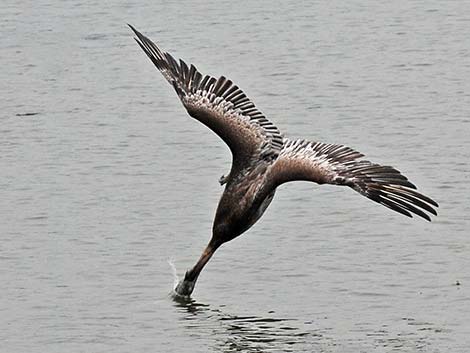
[[233, 333]]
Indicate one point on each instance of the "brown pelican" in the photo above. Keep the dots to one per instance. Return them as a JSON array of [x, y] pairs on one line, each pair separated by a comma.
[[262, 159]]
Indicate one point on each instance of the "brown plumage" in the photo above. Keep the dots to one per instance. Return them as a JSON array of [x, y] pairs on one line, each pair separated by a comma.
[[263, 159]]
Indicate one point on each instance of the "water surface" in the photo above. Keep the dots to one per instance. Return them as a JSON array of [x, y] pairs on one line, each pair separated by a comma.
[[104, 178]]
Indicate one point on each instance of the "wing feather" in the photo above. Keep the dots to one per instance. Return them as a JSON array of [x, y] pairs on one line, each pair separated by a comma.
[[220, 105], [340, 165]]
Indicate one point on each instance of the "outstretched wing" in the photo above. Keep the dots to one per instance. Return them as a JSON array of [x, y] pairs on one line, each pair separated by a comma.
[[340, 165], [220, 105]]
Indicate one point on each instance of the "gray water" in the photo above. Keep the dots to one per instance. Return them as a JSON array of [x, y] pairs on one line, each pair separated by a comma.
[[104, 178]]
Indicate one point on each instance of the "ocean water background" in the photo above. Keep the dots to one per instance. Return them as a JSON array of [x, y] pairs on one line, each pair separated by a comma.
[[104, 178]]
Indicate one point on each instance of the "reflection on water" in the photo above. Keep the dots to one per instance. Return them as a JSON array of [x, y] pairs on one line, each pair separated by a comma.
[[233, 333]]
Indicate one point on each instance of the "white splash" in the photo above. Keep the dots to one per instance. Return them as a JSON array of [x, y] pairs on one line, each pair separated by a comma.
[[173, 270]]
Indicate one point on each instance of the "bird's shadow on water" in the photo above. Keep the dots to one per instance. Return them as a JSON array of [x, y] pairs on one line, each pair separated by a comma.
[[232, 333]]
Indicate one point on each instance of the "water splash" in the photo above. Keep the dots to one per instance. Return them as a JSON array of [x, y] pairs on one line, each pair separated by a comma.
[[176, 280], [174, 272]]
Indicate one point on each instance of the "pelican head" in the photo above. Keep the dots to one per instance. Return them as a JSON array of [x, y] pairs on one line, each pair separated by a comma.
[[186, 286]]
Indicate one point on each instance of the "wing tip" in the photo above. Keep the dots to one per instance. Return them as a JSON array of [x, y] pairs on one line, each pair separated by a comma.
[[133, 28], [408, 204]]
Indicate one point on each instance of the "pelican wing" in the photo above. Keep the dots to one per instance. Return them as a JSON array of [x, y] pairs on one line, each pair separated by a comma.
[[220, 105], [340, 165]]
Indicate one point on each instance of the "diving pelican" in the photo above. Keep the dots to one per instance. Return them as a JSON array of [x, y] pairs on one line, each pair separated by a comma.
[[262, 159]]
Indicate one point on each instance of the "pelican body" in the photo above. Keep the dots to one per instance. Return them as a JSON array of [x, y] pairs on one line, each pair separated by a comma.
[[262, 159]]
